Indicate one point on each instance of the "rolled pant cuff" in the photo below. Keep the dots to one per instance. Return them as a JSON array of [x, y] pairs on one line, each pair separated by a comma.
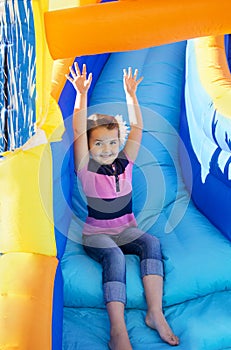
[[151, 267], [114, 291]]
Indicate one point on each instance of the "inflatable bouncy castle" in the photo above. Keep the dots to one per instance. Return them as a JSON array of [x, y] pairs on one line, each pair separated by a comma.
[[50, 290]]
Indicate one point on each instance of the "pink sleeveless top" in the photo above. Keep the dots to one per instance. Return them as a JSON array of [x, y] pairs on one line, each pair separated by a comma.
[[108, 189]]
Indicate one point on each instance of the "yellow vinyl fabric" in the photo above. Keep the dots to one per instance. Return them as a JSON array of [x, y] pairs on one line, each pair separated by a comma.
[[48, 115], [60, 4], [26, 294], [27, 240], [60, 68], [214, 72], [26, 215]]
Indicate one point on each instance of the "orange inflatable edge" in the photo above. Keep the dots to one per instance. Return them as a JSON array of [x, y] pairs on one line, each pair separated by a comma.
[[130, 25]]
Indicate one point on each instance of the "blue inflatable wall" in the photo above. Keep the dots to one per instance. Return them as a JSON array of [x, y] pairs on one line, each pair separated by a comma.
[[196, 255]]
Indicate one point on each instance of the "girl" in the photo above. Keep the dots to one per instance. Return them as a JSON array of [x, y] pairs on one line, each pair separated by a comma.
[[111, 230]]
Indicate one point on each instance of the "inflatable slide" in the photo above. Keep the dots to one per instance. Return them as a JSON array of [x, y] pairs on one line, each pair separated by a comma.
[[50, 290]]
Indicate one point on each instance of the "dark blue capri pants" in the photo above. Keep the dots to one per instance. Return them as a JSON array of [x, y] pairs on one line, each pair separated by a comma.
[[109, 251]]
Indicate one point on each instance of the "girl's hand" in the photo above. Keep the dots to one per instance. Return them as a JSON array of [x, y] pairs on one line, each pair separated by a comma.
[[79, 80], [131, 82]]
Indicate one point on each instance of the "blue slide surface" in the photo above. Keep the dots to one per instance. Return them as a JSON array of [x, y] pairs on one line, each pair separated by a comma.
[[197, 259]]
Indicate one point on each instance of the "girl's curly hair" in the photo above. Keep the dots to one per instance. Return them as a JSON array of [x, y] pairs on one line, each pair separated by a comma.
[[101, 120], [110, 122]]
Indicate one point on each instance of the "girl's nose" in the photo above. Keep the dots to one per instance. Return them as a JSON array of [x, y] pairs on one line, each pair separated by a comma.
[[106, 148]]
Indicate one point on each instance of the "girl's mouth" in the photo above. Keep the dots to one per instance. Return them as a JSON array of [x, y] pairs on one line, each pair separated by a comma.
[[105, 156]]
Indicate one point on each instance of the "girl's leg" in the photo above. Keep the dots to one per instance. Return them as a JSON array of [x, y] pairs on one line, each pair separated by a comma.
[[153, 286], [119, 339], [104, 250], [147, 247]]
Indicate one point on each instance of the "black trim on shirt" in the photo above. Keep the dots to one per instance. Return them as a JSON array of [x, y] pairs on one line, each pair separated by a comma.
[[106, 209]]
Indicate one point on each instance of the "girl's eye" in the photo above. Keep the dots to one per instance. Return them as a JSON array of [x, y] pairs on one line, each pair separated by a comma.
[[98, 143], [113, 142]]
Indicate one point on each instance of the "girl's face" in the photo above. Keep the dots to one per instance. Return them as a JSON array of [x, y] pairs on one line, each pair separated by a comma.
[[104, 145]]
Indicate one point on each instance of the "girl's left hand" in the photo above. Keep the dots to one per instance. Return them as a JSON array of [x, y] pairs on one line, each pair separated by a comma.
[[131, 82], [79, 79]]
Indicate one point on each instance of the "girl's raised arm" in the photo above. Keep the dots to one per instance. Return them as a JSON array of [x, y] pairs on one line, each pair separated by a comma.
[[135, 117], [81, 84]]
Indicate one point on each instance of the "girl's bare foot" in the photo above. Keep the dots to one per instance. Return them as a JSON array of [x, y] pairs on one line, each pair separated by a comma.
[[119, 341], [156, 320]]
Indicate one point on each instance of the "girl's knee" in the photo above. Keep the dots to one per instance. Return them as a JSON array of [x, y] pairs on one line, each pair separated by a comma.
[[152, 247], [116, 256], [155, 242]]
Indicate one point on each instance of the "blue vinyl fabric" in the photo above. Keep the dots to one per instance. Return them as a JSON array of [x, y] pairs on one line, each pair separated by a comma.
[[63, 185], [207, 135], [197, 259], [62, 209], [17, 74]]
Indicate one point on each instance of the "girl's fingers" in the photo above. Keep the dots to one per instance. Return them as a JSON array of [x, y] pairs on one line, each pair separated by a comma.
[[130, 72], [84, 71], [77, 68], [139, 80], [69, 78], [89, 79], [72, 72], [135, 73], [90, 76]]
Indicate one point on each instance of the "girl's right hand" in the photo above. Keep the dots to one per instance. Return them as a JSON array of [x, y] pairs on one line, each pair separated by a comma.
[[79, 80]]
